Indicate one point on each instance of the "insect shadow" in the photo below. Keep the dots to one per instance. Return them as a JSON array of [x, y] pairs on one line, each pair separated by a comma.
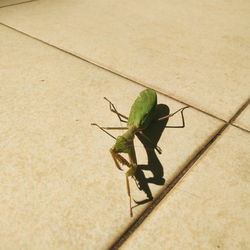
[[152, 132]]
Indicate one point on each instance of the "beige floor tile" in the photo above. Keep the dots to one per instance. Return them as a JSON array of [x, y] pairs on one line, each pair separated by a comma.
[[195, 51], [59, 186], [210, 208], [6, 3], [244, 119]]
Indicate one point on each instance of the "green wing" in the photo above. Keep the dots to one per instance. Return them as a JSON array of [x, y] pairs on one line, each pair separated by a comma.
[[143, 109]]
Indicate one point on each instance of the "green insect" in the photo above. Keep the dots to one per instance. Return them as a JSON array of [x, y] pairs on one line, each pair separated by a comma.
[[142, 113]]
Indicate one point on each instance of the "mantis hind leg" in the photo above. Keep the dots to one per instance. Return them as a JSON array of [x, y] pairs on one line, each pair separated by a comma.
[[114, 110], [157, 148], [172, 114]]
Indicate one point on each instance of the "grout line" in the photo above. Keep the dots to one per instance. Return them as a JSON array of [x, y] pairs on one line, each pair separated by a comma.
[[191, 106], [17, 3], [244, 105], [120, 74], [244, 129], [238, 113], [140, 219], [99, 65]]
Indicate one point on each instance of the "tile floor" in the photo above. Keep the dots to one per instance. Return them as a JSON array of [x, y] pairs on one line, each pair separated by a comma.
[[59, 186]]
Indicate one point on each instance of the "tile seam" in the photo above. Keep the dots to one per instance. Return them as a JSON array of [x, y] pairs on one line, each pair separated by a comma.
[[244, 129], [147, 211], [243, 107], [17, 3], [112, 71]]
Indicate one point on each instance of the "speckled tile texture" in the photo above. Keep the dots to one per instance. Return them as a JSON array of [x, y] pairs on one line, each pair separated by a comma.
[[186, 49], [209, 208], [59, 186]]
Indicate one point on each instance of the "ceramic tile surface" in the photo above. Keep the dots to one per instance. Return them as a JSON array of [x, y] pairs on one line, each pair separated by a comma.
[[59, 186], [244, 119], [6, 3], [209, 209], [186, 49]]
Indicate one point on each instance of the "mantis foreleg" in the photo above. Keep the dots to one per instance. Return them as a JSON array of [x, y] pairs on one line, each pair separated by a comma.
[[120, 159]]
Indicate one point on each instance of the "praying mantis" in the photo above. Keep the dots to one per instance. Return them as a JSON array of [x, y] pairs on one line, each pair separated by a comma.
[[142, 113]]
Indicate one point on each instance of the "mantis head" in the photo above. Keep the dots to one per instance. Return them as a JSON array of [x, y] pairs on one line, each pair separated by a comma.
[[122, 145]]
